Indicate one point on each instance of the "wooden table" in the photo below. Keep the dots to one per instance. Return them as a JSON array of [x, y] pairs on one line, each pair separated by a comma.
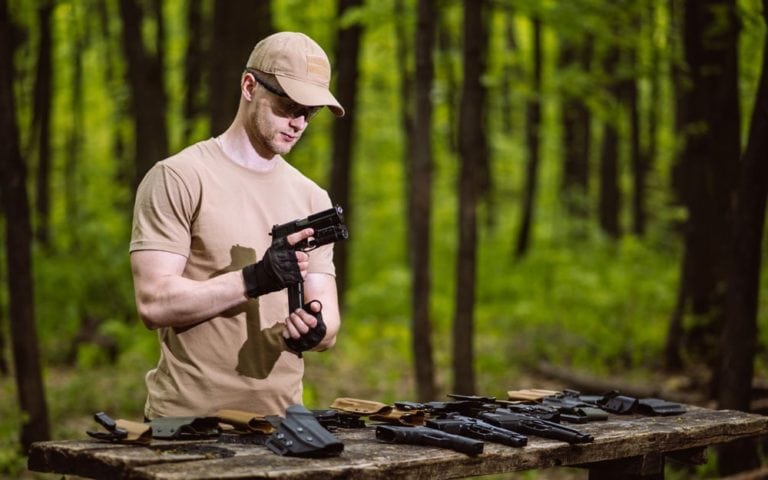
[[624, 447]]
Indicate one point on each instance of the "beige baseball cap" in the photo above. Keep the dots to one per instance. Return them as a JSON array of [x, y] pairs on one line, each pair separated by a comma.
[[300, 66]]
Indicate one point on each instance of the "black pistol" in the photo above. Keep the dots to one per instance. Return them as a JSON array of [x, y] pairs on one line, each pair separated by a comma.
[[428, 437], [528, 425], [478, 429], [329, 228]]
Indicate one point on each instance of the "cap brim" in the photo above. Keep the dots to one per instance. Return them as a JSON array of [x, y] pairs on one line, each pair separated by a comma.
[[309, 94]]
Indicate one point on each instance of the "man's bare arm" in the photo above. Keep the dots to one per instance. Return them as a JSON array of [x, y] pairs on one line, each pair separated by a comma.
[[164, 298]]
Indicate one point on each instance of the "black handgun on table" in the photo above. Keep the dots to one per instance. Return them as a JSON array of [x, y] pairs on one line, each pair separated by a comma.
[[329, 227], [428, 437], [477, 429], [528, 425]]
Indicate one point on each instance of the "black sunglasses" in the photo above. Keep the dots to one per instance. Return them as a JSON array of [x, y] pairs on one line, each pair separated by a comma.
[[289, 107]]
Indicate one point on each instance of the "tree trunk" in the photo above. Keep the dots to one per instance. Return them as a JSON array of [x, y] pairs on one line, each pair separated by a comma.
[[673, 360], [510, 71], [739, 335], [194, 62], [42, 122], [75, 132], [473, 148], [610, 196], [18, 240], [636, 155], [576, 119], [347, 53], [446, 46], [708, 170], [532, 141], [237, 26], [420, 193], [148, 97], [110, 59]]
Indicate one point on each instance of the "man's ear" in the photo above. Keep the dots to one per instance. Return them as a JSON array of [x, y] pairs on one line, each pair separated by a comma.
[[247, 86]]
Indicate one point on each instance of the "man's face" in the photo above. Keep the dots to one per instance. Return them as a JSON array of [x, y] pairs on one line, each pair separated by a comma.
[[275, 122]]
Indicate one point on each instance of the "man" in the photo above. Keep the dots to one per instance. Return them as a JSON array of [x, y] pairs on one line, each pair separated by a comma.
[[201, 223]]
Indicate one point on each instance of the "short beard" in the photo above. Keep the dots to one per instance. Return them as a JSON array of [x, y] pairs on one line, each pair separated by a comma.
[[265, 145]]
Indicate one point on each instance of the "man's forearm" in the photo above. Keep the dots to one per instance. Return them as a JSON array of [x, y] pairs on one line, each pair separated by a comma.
[[322, 287], [174, 301]]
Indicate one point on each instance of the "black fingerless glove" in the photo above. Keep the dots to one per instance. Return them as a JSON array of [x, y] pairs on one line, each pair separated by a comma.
[[275, 271], [313, 337]]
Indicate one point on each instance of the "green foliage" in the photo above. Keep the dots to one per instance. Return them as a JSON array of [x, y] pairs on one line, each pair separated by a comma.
[[577, 299], [12, 463]]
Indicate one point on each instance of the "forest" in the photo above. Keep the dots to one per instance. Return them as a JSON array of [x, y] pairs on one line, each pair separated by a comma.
[[536, 192]]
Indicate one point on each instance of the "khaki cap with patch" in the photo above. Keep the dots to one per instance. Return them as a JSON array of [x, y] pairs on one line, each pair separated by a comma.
[[300, 66]]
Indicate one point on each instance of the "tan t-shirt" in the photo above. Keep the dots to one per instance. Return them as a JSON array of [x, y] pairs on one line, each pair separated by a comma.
[[201, 204]]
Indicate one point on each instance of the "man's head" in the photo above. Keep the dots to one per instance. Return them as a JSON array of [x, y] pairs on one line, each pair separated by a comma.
[[300, 67]]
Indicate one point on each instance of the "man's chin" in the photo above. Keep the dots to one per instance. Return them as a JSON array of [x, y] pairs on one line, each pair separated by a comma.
[[282, 148]]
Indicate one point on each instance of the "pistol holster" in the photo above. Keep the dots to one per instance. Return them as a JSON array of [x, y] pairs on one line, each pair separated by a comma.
[[301, 435]]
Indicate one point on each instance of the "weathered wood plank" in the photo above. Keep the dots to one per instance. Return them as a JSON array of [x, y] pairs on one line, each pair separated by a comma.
[[365, 457]]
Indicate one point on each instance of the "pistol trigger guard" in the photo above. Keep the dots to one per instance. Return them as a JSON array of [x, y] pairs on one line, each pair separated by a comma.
[[308, 306]]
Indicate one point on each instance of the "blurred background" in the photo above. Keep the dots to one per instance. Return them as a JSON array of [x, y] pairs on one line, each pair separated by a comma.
[[539, 194]]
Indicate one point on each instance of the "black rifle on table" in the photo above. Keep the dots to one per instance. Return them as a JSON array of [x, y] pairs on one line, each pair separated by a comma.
[[477, 429]]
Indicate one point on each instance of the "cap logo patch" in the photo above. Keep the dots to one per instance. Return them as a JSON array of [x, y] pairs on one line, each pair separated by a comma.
[[318, 66]]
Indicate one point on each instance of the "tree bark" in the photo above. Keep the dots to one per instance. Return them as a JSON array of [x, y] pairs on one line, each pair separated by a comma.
[[347, 54], [18, 240], [739, 337], [511, 69], [473, 148], [532, 142], [420, 193], [193, 68], [708, 170], [576, 120], [237, 26], [636, 155], [446, 46], [610, 196], [148, 97], [42, 122]]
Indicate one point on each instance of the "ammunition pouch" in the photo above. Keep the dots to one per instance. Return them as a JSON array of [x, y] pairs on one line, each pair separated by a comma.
[[360, 407], [656, 406], [619, 404], [401, 417], [245, 422]]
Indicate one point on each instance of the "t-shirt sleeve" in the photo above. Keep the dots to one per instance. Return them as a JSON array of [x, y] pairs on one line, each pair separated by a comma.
[[164, 211]]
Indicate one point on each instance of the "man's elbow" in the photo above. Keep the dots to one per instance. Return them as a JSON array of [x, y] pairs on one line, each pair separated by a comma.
[[328, 342], [330, 339], [149, 315]]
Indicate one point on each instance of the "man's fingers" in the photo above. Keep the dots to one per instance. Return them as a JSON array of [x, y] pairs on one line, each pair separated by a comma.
[[299, 323], [295, 238], [302, 260]]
